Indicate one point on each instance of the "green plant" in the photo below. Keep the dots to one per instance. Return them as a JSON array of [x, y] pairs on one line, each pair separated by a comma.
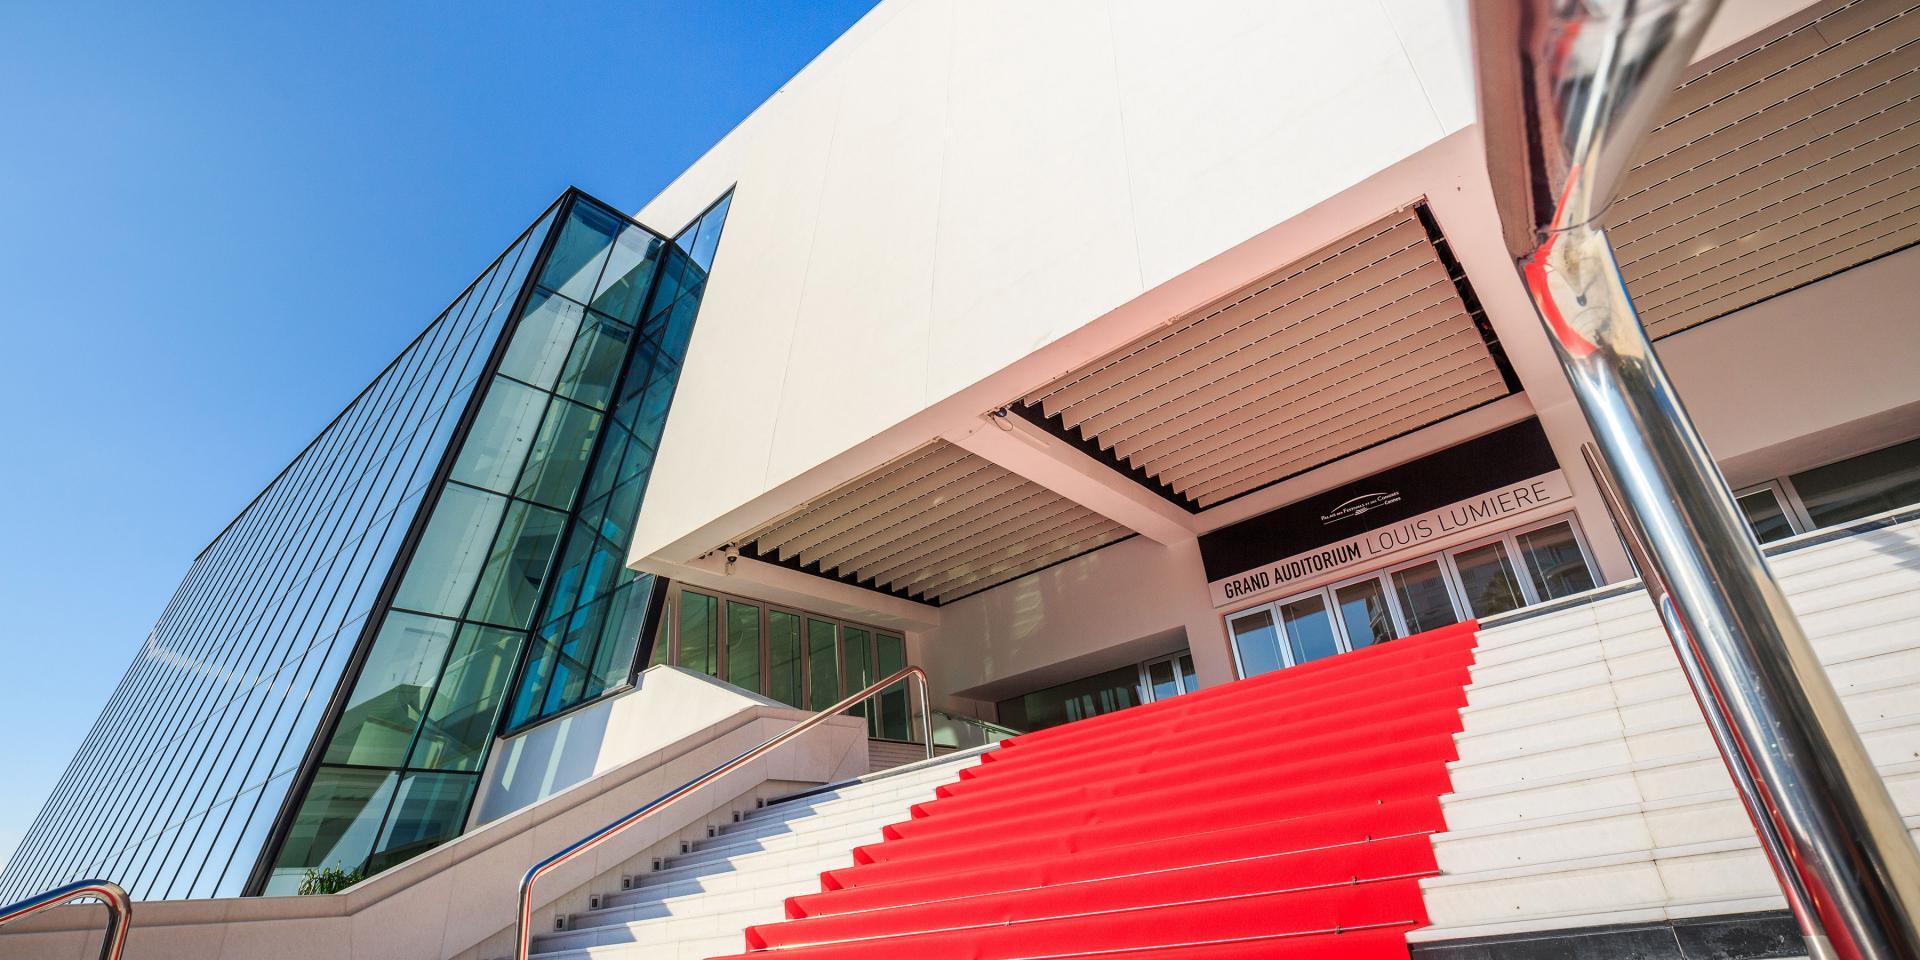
[[328, 880]]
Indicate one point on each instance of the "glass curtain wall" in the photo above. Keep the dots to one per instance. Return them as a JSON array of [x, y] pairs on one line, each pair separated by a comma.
[[498, 554], [595, 608], [175, 790]]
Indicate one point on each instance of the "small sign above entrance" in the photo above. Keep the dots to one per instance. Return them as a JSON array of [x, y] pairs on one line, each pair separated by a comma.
[[1474, 485]]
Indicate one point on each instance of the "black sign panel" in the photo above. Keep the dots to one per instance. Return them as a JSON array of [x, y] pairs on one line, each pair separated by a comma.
[[1506, 456]]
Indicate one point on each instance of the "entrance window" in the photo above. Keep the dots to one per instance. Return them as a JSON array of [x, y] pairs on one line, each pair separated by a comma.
[[1364, 613], [1256, 642], [1310, 631], [1074, 700], [1861, 486], [1486, 580], [1765, 508], [1424, 598], [801, 659], [1556, 566], [1530, 565]]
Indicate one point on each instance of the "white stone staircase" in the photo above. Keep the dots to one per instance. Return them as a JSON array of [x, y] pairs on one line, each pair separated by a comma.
[[1588, 790], [700, 903]]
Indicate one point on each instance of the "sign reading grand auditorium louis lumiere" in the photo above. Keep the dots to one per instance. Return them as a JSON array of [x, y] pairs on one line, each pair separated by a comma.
[[1480, 485]]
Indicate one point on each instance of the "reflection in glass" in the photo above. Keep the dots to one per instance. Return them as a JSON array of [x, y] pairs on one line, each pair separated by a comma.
[[539, 348], [1190, 680], [1160, 680], [1861, 486], [1364, 613], [1486, 577], [1309, 629], [1257, 641], [391, 695], [1765, 515], [890, 656], [450, 555], [1073, 700], [783, 656], [559, 456], [502, 433], [580, 252], [467, 700], [623, 286], [1424, 601], [509, 586], [336, 826], [823, 666], [743, 645], [699, 632], [428, 809], [1554, 561], [856, 670]]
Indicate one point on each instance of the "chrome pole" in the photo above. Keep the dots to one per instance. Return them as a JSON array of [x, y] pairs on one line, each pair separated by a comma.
[[1798, 903], [119, 910], [1597, 70]]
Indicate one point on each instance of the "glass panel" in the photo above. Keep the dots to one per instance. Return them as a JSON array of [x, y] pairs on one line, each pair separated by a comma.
[[429, 810], [595, 363], [856, 658], [496, 448], [662, 643], [517, 565], [783, 657], [448, 560], [467, 700], [391, 695], [709, 238], [1364, 613], [543, 340], [1075, 700], [1861, 486], [1190, 682], [743, 645], [1161, 681], [1422, 592], [699, 632], [1765, 515], [1486, 577], [1553, 560], [626, 617], [623, 286], [336, 825], [1310, 633], [581, 251], [890, 655], [823, 666], [560, 452], [1258, 642]]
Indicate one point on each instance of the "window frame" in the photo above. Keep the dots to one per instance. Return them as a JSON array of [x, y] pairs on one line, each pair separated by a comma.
[[1449, 577]]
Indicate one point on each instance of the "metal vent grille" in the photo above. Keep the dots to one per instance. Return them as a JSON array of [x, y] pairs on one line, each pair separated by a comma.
[[1791, 162], [1358, 343], [934, 526]]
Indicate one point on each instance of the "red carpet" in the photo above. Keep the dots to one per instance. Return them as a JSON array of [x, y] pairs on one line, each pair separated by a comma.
[[1282, 816]]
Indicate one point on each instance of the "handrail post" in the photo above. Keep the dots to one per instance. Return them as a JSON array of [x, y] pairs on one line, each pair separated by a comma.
[[1596, 72], [119, 910], [523, 922]]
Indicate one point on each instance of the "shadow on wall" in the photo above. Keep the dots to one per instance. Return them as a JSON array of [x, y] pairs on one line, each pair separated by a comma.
[[665, 706]]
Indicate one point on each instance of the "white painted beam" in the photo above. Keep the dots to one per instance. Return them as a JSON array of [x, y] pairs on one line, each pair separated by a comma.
[[1017, 445]]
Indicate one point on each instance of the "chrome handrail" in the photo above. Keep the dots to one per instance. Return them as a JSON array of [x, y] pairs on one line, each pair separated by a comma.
[[524, 921], [119, 910]]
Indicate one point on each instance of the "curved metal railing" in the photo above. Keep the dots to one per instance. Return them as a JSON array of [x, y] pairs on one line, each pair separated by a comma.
[[524, 921], [119, 910]]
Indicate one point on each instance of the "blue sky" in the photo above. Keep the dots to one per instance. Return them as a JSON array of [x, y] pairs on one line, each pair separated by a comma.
[[217, 223]]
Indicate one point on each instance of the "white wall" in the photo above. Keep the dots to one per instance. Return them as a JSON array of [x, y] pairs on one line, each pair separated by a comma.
[[953, 185], [1821, 372]]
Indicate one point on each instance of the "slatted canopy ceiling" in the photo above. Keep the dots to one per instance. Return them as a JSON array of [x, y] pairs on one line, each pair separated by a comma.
[[1361, 341], [934, 525], [1790, 162]]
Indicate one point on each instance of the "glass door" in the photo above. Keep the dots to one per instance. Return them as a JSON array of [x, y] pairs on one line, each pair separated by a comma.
[[1311, 633], [1365, 615], [1168, 676]]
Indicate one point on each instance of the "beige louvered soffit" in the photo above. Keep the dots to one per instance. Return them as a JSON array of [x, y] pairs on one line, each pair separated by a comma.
[[934, 525], [1777, 166], [1362, 341]]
